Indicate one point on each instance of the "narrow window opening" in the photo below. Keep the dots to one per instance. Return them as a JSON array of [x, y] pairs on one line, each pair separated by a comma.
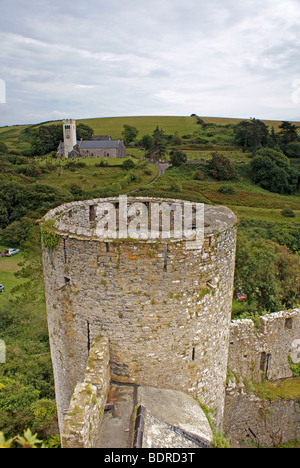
[[106, 247], [166, 257], [65, 250], [265, 363], [92, 213], [263, 359], [193, 354], [288, 324], [88, 336]]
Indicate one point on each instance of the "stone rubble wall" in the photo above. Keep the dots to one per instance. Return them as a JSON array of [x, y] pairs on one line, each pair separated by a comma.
[[85, 413], [264, 353], [259, 355], [262, 422]]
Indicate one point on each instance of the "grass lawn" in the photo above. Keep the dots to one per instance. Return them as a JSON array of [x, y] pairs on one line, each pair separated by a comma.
[[92, 178], [8, 267], [264, 214], [146, 125], [287, 388]]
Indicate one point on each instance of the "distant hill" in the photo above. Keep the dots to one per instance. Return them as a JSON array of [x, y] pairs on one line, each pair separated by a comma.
[[171, 124], [14, 139]]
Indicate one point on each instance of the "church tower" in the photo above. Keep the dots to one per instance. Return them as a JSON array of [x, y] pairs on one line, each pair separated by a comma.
[[70, 139]]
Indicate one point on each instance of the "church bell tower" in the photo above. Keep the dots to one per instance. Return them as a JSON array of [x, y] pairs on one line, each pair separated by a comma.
[[70, 139]]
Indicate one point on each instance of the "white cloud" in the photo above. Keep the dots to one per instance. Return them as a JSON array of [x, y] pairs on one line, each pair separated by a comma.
[[101, 58]]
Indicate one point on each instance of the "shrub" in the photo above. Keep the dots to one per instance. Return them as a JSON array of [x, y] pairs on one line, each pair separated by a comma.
[[177, 158], [199, 175], [271, 169], [287, 213], [227, 190], [175, 187], [221, 167], [128, 164]]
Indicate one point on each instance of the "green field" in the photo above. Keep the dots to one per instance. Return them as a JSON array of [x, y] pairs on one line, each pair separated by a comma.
[[92, 178], [8, 267], [170, 124], [113, 126]]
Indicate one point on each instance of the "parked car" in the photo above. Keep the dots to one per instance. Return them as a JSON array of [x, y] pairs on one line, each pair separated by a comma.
[[1, 288], [11, 252], [240, 297]]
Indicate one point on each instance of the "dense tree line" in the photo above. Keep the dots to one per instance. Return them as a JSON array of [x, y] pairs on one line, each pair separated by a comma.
[[271, 169], [268, 273], [254, 134]]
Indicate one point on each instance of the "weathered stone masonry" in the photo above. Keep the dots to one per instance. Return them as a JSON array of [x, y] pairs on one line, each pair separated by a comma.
[[264, 354], [164, 308], [258, 355]]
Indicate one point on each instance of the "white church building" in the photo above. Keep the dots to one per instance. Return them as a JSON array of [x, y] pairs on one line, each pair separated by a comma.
[[100, 146]]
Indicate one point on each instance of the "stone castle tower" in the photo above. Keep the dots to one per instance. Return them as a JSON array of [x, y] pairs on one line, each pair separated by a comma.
[[70, 138], [164, 307]]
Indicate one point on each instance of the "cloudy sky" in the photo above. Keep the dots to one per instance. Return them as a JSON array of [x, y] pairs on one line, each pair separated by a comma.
[[75, 59]]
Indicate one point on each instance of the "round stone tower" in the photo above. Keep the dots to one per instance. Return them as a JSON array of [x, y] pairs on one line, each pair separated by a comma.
[[164, 303]]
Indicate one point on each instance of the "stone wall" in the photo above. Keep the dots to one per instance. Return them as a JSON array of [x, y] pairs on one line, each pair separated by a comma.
[[84, 416], [264, 353], [101, 153], [164, 307], [258, 355], [261, 422]]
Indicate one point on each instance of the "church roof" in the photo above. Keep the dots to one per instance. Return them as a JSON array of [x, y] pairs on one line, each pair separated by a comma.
[[104, 144]]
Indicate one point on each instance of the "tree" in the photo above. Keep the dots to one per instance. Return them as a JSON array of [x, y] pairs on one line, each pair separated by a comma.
[[146, 142], [159, 142], [221, 167], [129, 134], [289, 132], [128, 164], [45, 138], [84, 132], [271, 170], [251, 135], [267, 273], [292, 149], [176, 140], [177, 157]]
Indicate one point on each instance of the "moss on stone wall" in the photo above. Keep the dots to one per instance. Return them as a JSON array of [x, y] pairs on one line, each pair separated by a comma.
[[49, 238]]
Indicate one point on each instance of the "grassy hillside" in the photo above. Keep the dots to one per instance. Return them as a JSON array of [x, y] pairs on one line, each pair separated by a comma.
[[183, 125], [8, 267], [14, 139]]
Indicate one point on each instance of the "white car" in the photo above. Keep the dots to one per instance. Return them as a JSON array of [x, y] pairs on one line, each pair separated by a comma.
[[1, 288], [11, 252]]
